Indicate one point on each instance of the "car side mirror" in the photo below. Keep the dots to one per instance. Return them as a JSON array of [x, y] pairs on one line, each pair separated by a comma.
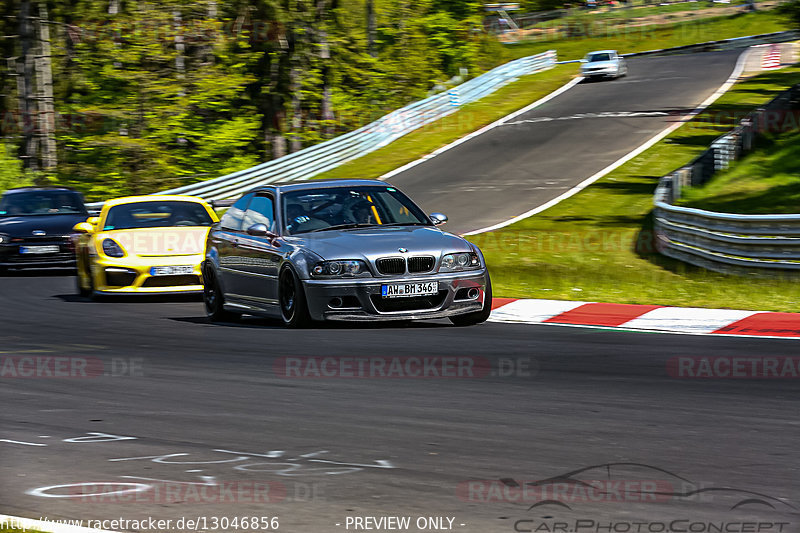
[[83, 227], [260, 230], [584, 60], [438, 218], [93, 220]]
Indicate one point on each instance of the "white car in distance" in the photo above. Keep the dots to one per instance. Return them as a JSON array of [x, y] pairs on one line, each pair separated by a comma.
[[603, 64]]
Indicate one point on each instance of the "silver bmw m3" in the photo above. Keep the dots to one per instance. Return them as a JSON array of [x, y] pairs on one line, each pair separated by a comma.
[[340, 250]]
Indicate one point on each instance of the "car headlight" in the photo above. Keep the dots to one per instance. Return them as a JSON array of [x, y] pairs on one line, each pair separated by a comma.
[[458, 262], [343, 268], [112, 249], [4, 239]]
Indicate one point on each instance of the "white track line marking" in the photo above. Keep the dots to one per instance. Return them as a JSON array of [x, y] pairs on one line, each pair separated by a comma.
[[737, 71], [23, 443], [564, 88]]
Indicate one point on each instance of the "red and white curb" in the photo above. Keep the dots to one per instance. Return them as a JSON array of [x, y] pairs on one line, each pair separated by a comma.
[[771, 60], [686, 320]]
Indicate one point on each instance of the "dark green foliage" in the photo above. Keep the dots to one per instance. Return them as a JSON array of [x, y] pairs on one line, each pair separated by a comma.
[[792, 10], [156, 94]]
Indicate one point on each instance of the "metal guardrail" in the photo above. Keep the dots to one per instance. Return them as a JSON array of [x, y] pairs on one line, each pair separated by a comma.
[[306, 163], [725, 242]]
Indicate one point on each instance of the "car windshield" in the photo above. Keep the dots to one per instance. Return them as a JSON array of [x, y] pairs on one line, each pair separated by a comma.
[[42, 203], [331, 208], [593, 58], [156, 214]]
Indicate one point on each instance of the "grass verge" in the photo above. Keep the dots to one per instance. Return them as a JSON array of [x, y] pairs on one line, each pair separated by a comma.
[[598, 245], [767, 180]]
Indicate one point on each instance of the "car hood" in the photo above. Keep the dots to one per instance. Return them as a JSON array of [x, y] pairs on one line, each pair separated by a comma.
[[53, 225], [600, 64], [159, 242], [370, 243]]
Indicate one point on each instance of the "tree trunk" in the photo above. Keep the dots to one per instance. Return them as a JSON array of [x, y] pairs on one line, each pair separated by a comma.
[[295, 142], [27, 103], [326, 108], [371, 28], [44, 83]]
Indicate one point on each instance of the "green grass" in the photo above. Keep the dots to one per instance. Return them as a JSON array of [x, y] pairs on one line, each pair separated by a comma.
[[598, 245], [765, 181], [637, 39]]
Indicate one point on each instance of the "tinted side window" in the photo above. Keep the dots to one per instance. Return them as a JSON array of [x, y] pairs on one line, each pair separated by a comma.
[[260, 211], [232, 219]]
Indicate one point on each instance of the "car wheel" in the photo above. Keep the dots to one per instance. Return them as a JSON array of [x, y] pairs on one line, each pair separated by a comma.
[[294, 308], [477, 317], [214, 300], [82, 291]]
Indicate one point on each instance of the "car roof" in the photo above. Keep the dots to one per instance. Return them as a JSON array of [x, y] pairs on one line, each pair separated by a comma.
[[154, 198], [323, 184], [602, 52], [37, 189]]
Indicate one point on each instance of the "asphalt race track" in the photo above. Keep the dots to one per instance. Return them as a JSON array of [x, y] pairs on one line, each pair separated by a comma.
[[542, 153], [336, 447], [163, 415]]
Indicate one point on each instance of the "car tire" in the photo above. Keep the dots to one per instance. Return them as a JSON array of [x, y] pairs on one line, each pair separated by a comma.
[[214, 300], [477, 317], [85, 293], [292, 300]]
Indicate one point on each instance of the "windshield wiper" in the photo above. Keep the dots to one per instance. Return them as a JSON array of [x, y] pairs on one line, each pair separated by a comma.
[[405, 224], [343, 226]]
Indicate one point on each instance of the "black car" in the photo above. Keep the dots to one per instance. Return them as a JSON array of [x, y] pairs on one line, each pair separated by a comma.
[[35, 226]]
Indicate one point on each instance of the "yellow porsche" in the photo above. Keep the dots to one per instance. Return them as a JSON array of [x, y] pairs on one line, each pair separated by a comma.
[[143, 245]]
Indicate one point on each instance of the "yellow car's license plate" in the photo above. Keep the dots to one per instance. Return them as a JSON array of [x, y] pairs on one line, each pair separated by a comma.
[[172, 270]]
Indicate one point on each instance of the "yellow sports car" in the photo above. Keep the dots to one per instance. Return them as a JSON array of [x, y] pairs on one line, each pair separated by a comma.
[[143, 245]]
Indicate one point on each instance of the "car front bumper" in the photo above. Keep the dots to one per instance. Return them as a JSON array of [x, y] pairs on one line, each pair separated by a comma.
[[361, 299], [11, 256], [606, 73], [112, 276]]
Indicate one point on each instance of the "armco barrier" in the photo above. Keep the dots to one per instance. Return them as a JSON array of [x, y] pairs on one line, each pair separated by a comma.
[[306, 163], [731, 243]]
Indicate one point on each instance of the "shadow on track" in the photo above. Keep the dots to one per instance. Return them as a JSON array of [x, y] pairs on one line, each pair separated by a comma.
[[252, 322], [101, 299], [11, 272]]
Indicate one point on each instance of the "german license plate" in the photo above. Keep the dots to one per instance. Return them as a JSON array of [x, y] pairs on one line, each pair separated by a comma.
[[54, 249], [399, 290], [172, 270]]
